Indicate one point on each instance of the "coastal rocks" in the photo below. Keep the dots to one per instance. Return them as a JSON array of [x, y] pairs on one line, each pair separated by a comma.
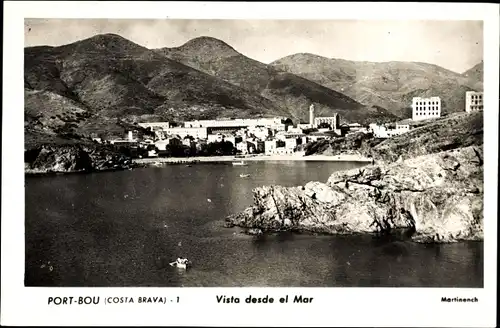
[[355, 144], [454, 131], [73, 158], [431, 198], [451, 132]]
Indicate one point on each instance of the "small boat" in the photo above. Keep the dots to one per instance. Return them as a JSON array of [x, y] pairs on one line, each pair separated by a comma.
[[244, 175], [188, 165], [241, 163], [181, 263]]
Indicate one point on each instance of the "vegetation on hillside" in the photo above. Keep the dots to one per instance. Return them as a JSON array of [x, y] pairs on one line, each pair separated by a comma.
[[390, 85]]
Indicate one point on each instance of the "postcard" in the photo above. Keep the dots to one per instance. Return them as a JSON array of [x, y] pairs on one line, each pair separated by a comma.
[[250, 164]]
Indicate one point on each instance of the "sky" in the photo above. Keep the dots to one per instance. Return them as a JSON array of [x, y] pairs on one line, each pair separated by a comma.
[[455, 45]]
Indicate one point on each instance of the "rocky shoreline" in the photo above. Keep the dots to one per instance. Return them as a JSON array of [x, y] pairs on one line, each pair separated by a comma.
[[433, 198], [80, 158]]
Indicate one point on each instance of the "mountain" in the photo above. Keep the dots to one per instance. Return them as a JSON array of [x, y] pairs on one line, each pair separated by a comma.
[[291, 92], [390, 85], [475, 75], [111, 79]]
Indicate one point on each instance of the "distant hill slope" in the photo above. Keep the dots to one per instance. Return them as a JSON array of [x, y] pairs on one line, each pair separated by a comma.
[[390, 85], [475, 75], [111, 79], [289, 91]]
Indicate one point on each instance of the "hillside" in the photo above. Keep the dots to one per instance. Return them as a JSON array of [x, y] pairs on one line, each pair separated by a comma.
[[107, 79], [457, 130], [291, 92], [390, 85], [475, 75]]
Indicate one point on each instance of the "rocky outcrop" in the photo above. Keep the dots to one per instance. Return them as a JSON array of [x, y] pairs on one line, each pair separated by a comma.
[[431, 198], [73, 158], [355, 144], [451, 132]]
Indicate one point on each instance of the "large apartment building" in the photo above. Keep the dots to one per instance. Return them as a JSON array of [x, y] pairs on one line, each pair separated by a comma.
[[426, 108], [473, 101]]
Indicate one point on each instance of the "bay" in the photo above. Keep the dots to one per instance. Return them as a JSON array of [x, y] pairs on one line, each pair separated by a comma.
[[122, 228]]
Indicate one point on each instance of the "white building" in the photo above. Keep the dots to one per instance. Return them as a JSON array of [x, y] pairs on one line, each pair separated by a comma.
[[402, 128], [246, 147], [311, 115], [260, 132], [333, 121], [215, 138], [155, 125], [270, 146], [473, 101], [244, 122], [426, 108], [295, 130], [291, 143], [379, 131], [162, 144], [304, 126], [184, 132]]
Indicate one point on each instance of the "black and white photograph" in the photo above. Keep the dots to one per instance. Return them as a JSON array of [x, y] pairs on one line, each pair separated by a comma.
[[249, 152], [209, 158]]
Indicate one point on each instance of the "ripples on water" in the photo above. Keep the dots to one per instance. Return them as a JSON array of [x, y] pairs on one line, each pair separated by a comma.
[[123, 228]]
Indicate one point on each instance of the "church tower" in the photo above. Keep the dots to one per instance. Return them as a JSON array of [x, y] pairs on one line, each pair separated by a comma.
[[311, 115]]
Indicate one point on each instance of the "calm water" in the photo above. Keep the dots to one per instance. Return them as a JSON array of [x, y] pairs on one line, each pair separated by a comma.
[[123, 228]]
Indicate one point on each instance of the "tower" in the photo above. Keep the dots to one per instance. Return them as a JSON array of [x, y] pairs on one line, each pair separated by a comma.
[[311, 115]]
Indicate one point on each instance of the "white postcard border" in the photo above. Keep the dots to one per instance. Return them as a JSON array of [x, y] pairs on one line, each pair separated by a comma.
[[331, 306]]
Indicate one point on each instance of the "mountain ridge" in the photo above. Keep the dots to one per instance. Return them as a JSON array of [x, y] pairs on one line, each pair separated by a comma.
[[291, 91], [114, 81], [387, 84]]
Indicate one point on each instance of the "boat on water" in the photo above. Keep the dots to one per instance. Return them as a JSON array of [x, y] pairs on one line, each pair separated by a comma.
[[181, 263], [241, 163], [244, 175]]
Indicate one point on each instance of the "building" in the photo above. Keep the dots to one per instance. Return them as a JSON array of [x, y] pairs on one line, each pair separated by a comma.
[[311, 115], [402, 128], [426, 108], [260, 132], [246, 147], [304, 126], [270, 146], [333, 121], [382, 131], [215, 138], [239, 122], [162, 144], [200, 133], [155, 125], [473, 101], [379, 131], [295, 130], [291, 144]]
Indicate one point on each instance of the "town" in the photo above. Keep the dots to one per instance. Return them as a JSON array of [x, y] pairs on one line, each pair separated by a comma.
[[267, 136]]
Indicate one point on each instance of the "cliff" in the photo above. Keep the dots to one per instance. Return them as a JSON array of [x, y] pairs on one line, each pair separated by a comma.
[[432, 198], [73, 158]]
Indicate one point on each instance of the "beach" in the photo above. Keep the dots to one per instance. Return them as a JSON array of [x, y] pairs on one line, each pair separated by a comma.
[[292, 157]]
